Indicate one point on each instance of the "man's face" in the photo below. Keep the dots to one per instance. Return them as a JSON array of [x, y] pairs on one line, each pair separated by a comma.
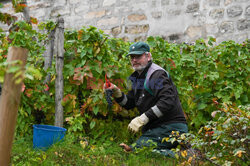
[[139, 62]]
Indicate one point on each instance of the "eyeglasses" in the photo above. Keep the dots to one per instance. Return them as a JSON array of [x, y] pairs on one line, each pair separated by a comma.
[[137, 57]]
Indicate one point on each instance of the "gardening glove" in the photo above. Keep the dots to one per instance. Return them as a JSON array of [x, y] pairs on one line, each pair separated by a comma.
[[116, 91], [138, 122]]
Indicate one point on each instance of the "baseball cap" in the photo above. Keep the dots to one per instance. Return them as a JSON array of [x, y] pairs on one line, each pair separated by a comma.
[[138, 48]]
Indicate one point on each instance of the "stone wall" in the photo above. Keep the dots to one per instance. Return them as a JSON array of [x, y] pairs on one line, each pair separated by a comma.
[[132, 20]]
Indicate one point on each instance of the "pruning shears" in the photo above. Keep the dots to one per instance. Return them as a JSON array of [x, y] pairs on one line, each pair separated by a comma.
[[108, 84]]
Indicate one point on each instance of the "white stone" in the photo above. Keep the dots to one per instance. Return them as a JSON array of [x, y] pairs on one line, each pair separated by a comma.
[[109, 2], [38, 13], [74, 1], [60, 2], [94, 14], [60, 11], [81, 9], [194, 32], [72, 21], [212, 29], [110, 21]]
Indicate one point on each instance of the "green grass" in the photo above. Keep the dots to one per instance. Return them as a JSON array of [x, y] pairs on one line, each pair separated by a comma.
[[72, 153], [102, 149]]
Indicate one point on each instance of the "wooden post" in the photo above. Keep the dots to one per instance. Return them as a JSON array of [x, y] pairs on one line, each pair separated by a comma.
[[48, 55], [26, 12], [59, 72], [10, 99]]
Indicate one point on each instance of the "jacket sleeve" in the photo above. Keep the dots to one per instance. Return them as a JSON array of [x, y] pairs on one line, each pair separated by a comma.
[[126, 101], [164, 90]]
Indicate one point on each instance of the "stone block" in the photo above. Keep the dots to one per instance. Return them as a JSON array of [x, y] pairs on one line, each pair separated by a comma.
[[179, 2], [216, 13], [95, 14], [107, 31], [247, 11], [156, 15], [174, 12], [60, 11], [81, 9], [73, 21], [116, 30], [7, 8], [234, 11], [140, 38], [214, 2], [74, 1], [194, 32], [243, 24], [94, 6], [227, 2], [227, 27], [211, 29], [33, 1], [191, 8], [174, 37], [125, 38], [136, 29], [137, 17], [109, 2], [241, 1], [109, 21], [238, 38], [60, 3], [164, 2], [154, 4], [39, 6], [38, 13]]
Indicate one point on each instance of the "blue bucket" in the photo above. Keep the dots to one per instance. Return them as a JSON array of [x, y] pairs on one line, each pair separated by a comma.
[[45, 135]]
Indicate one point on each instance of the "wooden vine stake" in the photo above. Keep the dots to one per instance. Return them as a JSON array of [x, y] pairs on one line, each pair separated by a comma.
[[9, 102], [59, 72]]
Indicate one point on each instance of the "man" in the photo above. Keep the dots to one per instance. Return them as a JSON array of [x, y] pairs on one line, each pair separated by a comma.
[[155, 96]]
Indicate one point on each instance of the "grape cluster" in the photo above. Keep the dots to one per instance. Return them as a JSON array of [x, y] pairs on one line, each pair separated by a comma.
[[108, 94]]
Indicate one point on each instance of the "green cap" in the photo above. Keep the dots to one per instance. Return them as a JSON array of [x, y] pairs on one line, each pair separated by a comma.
[[138, 48]]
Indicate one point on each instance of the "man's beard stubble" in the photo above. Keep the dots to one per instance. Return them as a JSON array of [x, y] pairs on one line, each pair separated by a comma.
[[140, 68]]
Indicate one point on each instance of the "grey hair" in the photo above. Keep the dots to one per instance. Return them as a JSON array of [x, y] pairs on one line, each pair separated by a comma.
[[148, 53]]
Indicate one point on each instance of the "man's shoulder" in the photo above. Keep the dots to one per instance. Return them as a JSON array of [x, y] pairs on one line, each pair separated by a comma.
[[159, 73]]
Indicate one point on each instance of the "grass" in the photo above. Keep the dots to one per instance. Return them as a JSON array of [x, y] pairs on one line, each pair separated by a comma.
[[72, 153], [102, 149]]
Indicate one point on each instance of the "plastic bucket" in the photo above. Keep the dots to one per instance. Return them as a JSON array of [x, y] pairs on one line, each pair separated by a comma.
[[45, 135]]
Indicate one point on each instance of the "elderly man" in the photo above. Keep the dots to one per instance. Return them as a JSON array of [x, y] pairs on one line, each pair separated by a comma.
[[155, 96]]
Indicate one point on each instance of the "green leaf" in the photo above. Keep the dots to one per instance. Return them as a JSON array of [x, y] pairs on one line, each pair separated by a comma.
[[83, 53], [201, 106], [13, 69], [85, 37], [92, 124], [96, 109], [238, 92]]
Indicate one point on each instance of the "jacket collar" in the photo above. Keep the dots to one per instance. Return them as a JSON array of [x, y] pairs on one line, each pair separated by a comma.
[[143, 73]]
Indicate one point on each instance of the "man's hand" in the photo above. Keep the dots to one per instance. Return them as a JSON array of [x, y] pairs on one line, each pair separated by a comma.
[[116, 91], [137, 123]]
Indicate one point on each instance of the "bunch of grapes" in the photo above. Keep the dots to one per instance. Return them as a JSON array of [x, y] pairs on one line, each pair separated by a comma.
[[108, 94]]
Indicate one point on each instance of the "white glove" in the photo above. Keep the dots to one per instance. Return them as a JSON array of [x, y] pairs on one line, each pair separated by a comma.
[[138, 122]]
